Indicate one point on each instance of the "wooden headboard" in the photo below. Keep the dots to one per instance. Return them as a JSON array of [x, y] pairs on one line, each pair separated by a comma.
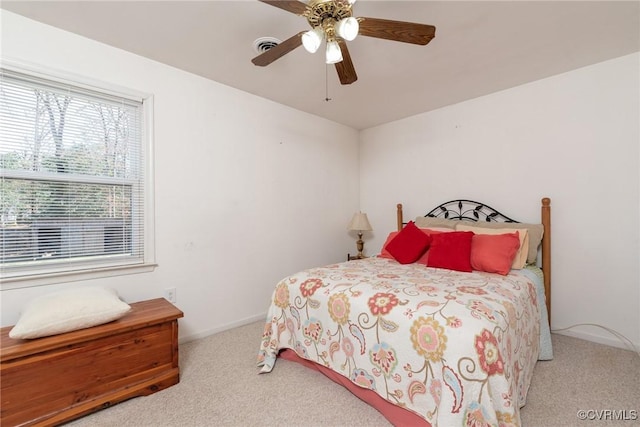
[[468, 210]]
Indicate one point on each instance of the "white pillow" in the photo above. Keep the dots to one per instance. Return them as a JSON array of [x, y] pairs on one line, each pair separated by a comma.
[[68, 310]]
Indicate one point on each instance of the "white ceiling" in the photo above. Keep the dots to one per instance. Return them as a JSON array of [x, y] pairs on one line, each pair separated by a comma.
[[480, 47]]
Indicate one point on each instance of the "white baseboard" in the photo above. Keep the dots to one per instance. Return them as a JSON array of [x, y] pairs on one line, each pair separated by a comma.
[[605, 337], [203, 334]]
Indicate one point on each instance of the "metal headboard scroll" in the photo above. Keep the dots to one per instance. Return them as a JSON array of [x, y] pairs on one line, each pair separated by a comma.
[[468, 210]]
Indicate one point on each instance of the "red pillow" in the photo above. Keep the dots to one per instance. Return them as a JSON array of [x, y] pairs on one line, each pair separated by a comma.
[[451, 251], [409, 244], [494, 253], [429, 231], [385, 253]]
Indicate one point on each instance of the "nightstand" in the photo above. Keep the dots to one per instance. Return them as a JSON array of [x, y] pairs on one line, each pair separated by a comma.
[[354, 257]]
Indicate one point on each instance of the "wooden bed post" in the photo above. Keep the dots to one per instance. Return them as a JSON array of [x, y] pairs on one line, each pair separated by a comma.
[[546, 252], [399, 216]]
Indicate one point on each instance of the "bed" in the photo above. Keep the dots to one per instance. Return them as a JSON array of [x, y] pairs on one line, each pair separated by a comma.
[[427, 342]]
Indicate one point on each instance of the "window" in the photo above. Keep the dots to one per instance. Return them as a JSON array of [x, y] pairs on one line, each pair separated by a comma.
[[74, 191]]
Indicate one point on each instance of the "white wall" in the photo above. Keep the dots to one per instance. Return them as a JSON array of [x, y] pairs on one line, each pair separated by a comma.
[[572, 137], [247, 190]]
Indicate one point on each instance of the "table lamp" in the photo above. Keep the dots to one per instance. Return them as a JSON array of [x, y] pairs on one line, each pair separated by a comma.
[[360, 223]]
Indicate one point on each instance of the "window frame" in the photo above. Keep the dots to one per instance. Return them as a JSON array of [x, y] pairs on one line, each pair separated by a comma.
[[98, 270]]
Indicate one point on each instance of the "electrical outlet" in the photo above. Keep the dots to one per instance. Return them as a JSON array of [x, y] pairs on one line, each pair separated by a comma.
[[170, 294]]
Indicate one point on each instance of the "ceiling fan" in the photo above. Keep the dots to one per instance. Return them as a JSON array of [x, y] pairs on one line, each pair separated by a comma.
[[333, 21]]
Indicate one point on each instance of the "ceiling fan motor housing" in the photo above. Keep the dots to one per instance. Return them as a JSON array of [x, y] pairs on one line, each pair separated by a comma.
[[319, 11]]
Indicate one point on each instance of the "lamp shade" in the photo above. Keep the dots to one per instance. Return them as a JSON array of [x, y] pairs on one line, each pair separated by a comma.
[[334, 54], [360, 222], [312, 39], [348, 28]]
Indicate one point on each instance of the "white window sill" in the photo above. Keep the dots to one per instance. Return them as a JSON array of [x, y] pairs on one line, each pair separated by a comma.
[[73, 276]]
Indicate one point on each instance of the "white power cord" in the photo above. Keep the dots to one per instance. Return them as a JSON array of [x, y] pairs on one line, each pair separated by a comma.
[[626, 341]]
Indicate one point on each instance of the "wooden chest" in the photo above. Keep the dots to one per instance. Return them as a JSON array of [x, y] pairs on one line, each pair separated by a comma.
[[51, 380]]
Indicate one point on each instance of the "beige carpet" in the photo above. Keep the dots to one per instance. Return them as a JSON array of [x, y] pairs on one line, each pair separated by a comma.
[[220, 387]]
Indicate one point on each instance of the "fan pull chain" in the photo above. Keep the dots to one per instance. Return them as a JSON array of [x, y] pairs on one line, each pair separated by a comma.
[[326, 79]]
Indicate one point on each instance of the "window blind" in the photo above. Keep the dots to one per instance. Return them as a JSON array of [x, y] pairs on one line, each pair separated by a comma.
[[71, 177]]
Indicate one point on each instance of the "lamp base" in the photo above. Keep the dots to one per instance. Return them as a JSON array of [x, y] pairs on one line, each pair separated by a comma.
[[355, 257], [360, 246]]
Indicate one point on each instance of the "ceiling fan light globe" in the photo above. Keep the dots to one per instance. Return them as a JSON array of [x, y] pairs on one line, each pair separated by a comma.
[[312, 39], [348, 28], [333, 54]]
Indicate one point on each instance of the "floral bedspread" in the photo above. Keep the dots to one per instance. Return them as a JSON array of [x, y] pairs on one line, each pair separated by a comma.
[[456, 348]]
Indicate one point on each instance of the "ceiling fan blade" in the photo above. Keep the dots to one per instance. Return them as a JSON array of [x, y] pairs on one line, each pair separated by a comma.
[[278, 51], [406, 32], [292, 6], [345, 68]]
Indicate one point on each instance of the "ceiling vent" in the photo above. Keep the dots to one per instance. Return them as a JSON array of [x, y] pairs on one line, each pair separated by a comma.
[[263, 44]]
